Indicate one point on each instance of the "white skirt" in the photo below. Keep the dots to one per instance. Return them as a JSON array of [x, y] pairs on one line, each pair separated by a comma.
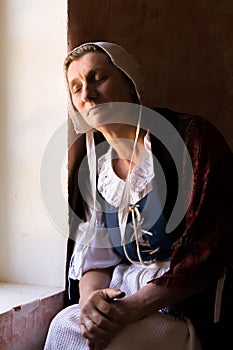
[[157, 331]]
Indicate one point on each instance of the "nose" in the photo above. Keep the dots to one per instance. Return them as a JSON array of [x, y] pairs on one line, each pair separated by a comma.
[[89, 92]]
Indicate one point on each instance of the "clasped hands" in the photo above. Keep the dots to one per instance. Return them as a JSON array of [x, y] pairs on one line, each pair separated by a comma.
[[102, 315]]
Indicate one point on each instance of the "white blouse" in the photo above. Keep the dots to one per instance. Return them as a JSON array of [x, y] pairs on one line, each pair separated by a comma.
[[100, 253]]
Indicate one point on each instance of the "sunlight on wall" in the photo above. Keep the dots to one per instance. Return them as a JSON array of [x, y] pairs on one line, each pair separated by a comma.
[[32, 249]]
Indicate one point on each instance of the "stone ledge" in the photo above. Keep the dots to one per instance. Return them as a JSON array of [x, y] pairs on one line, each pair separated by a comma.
[[24, 326], [14, 294]]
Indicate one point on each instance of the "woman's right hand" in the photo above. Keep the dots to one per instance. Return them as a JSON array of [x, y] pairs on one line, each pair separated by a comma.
[[95, 319]]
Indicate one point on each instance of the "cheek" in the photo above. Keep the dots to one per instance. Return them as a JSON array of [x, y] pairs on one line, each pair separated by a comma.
[[118, 93], [125, 92], [75, 101]]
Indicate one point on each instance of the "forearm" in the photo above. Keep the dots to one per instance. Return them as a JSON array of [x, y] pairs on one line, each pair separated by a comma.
[[152, 298], [93, 280]]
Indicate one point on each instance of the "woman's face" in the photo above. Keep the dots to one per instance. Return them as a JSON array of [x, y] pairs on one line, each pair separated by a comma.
[[94, 80]]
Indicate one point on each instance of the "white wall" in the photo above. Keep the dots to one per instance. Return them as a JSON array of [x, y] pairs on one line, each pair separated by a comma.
[[33, 106]]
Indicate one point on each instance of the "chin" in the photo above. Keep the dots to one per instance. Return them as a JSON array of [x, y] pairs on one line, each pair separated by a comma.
[[112, 113]]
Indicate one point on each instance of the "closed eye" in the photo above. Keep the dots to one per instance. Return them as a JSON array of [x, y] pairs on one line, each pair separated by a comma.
[[76, 88], [98, 79], [92, 80]]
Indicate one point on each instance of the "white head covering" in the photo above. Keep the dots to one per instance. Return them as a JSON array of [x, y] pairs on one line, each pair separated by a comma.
[[121, 59]]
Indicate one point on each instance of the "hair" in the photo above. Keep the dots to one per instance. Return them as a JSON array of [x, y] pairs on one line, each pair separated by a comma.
[[80, 51]]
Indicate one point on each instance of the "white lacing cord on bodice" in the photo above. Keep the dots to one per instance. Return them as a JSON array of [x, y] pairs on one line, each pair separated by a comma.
[[138, 233]]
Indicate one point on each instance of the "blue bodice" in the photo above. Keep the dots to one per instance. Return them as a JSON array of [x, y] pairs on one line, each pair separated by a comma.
[[155, 243]]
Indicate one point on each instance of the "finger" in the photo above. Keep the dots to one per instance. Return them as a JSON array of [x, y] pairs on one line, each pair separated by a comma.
[[105, 343], [100, 301], [101, 346], [100, 317], [91, 331], [91, 345], [112, 293], [111, 311], [97, 346], [103, 322]]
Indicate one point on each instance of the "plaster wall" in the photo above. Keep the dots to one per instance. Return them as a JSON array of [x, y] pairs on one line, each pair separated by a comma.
[[32, 108]]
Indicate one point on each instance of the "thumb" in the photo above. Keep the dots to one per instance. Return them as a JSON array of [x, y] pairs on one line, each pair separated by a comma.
[[112, 293]]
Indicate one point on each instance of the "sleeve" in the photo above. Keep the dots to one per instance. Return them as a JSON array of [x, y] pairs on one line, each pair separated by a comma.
[[96, 254], [204, 250]]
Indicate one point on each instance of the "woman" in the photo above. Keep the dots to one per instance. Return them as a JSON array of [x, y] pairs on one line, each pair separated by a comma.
[[149, 276]]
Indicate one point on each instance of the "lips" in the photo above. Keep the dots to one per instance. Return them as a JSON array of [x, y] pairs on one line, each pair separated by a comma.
[[112, 112], [89, 111], [98, 108]]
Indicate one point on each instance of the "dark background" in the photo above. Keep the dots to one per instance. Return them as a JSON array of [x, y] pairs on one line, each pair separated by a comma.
[[185, 49]]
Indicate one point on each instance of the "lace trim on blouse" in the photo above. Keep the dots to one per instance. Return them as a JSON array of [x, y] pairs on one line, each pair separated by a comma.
[[111, 186]]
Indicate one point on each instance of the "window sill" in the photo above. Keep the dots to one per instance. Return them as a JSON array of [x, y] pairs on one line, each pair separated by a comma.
[[13, 295], [25, 314]]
